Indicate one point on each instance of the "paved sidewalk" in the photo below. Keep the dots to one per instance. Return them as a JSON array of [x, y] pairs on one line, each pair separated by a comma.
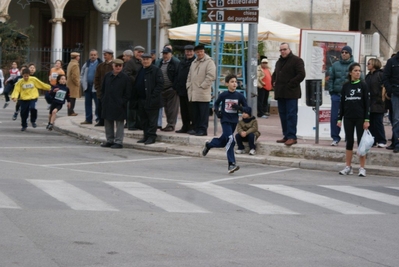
[[306, 154]]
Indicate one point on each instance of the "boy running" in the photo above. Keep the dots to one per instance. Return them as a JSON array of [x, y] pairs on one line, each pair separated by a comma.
[[59, 93]]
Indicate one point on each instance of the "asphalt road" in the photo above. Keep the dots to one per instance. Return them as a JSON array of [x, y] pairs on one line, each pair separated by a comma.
[[65, 202]]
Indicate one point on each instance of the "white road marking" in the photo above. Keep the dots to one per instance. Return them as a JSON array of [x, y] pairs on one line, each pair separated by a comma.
[[72, 196], [319, 200], [157, 197], [365, 193], [47, 148], [250, 175], [7, 203], [239, 199]]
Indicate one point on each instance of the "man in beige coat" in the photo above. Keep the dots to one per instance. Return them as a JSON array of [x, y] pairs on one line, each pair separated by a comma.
[[199, 88], [73, 81]]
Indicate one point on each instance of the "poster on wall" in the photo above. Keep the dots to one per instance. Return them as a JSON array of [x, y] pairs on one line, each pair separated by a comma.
[[320, 49]]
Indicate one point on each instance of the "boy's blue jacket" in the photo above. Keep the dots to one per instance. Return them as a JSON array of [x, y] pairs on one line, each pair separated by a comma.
[[226, 100]]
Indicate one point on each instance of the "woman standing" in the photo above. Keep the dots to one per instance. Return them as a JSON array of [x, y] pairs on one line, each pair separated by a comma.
[[264, 87], [355, 109], [377, 105]]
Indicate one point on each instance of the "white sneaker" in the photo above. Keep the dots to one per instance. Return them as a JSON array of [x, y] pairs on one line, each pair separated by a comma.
[[334, 143], [240, 151], [48, 106], [381, 145], [362, 172], [252, 152], [346, 171]]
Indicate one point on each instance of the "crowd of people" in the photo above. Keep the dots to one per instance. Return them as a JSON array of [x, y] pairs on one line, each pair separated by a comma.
[[134, 90]]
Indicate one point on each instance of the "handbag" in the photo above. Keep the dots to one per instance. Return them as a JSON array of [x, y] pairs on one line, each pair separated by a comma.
[[366, 143]]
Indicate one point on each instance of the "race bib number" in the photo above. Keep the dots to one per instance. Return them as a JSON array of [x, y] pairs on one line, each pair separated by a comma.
[[60, 95], [228, 105]]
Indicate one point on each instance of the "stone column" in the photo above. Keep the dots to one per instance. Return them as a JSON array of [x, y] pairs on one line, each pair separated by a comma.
[[393, 28], [105, 30], [57, 42], [112, 35]]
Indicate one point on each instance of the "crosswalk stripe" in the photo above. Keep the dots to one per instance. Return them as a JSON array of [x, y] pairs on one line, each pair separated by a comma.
[[393, 187], [72, 196], [365, 193], [157, 197], [319, 200], [7, 203], [239, 199]]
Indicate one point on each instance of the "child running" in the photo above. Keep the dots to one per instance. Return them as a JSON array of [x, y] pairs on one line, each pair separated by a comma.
[[26, 89], [59, 93], [231, 101]]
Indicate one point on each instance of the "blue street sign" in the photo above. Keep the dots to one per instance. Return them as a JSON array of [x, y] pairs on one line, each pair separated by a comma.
[[146, 2]]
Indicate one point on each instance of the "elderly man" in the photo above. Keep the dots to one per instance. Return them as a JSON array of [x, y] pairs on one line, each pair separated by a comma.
[[115, 93], [199, 82], [87, 81], [170, 98], [102, 69], [73, 82], [286, 78], [147, 91], [180, 86], [131, 67]]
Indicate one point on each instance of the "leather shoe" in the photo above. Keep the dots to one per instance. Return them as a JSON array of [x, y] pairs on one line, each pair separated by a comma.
[[396, 150], [191, 132], [168, 129], [117, 146], [290, 142], [281, 140], [181, 131], [390, 147], [85, 122], [107, 144], [201, 134], [142, 140], [99, 124], [149, 141], [73, 114]]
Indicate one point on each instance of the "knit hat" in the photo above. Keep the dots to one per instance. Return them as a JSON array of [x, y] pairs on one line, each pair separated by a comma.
[[247, 110], [348, 49]]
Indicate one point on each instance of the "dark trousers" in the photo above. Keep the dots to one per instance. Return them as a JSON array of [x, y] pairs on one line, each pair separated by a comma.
[[186, 113], [349, 126], [263, 101], [90, 96], [200, 116], [133, 119], [72, 106], [26, 107], [99, 110], [226, 140], [250, 138], [171, 106], [377, 127], [288, 111], [149, 119]]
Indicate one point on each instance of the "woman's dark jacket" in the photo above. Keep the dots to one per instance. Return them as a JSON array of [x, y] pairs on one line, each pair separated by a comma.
[[374, 83]]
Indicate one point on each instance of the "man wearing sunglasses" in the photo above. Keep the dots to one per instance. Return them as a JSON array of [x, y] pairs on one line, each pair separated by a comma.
[[115, 91], [338, 75]]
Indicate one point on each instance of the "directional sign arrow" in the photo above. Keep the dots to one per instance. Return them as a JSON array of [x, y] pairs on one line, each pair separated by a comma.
[[211, 15], [210, 2]]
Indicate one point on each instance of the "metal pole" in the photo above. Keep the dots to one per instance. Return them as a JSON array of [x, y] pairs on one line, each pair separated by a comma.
[[149, 36], [216, 87], [157, 28], [317, 111], [252, 64]]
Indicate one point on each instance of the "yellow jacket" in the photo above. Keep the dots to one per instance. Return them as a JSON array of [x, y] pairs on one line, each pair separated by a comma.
[[28, 90]]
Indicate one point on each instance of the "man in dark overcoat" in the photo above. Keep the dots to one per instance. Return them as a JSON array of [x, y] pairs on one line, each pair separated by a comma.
[[286, 79], [116, 90]]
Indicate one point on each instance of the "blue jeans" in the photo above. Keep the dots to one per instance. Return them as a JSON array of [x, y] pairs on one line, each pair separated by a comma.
[[226, 140], [288, 111], [89, 98], [395, 119], [334, 129]]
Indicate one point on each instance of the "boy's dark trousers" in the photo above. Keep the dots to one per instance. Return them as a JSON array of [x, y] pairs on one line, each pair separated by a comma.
[[250, 138], [226, 140], [26, 106]]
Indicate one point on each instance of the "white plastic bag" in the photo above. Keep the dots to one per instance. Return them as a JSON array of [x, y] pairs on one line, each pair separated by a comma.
[[366, 143]]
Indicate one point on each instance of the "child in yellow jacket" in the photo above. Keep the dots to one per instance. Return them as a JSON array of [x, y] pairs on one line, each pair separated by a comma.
[[26, 89]]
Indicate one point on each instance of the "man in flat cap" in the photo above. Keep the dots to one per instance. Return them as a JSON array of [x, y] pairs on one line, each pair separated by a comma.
[[102, 69], [131, 67], [199, 82], [115, 93], [147, 91], [180, 85], [73, 81], [170, 98]]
